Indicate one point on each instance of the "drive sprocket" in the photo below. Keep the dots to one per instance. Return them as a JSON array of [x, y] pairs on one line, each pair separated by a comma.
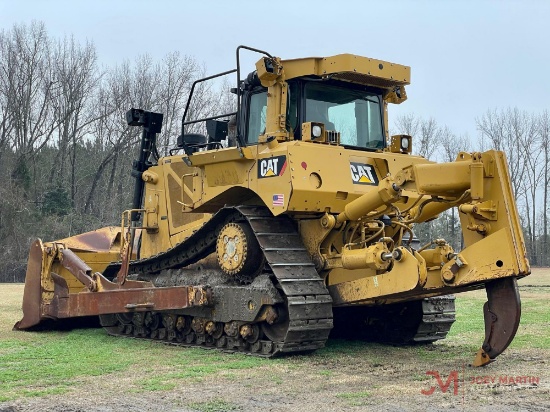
[[239, 254]]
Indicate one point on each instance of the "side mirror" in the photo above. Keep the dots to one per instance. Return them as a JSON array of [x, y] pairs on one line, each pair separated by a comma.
[[217, 130]]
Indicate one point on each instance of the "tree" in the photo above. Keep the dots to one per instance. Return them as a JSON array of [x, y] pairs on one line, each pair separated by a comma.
[[505, 129], [425, 133], [543, 130], [28, 85], [76, 74], [57, 202]]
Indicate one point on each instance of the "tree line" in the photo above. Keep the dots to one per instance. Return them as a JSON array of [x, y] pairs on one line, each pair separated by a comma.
[[66, 150]]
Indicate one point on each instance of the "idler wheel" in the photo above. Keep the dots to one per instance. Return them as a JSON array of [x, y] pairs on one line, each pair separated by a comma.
[[238, 251]]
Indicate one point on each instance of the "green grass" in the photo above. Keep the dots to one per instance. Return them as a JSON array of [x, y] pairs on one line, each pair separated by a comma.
[[532, 332], [217, 405], [55, 360], [354, 398], [41, 363]]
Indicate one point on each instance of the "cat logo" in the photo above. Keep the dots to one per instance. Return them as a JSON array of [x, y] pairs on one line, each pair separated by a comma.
[[363, 174], [271, 167]]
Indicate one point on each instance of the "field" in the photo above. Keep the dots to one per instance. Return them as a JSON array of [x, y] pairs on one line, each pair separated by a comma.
[[86, 370]]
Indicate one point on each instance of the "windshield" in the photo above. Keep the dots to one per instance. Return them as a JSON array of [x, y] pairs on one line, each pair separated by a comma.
[[355, 114]]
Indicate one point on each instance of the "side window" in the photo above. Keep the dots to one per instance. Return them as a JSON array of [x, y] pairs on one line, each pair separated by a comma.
[[257, 115], [292, 109]]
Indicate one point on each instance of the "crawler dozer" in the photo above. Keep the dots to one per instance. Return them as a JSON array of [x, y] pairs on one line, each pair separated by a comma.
[[288, 219]]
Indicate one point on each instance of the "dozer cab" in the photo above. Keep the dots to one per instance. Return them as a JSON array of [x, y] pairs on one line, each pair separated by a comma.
[[290, 218]]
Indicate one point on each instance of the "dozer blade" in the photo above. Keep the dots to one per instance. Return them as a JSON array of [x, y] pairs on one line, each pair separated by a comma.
[[32, 293], [502, 313]]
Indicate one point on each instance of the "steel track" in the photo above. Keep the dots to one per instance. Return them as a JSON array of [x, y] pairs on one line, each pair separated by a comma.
[[306, 319], [307, 313]]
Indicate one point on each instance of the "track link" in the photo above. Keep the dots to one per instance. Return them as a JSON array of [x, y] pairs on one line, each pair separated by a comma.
[[309, 304], [420, 321], [438, 315], [305, 318]]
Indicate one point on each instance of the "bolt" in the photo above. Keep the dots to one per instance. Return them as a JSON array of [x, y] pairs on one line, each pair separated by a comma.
[[397, 254], [448, 275]]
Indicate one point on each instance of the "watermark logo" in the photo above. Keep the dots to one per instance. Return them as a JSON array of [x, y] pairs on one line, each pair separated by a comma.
[[451, 379], [455, 381]]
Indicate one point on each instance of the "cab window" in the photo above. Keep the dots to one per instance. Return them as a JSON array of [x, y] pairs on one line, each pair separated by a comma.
[[257, 115], [355, 113]]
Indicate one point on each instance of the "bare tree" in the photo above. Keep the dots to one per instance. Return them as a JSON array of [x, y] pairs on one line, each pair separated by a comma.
[[534, 173], [30, 85], [425, 133], [543, 130], [408, 124], [76, 73], [7, 73], [177, 73], [505, 130], [142, 84]]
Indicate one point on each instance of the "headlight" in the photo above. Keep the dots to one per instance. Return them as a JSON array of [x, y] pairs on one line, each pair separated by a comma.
[[316, 131], [405, 143]]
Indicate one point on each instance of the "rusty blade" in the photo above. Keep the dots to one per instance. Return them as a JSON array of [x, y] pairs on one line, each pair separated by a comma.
[[32, 295], [502, 313], [100, 240]]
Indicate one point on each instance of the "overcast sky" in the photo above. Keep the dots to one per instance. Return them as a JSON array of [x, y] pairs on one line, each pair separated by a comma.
[[466, 56]]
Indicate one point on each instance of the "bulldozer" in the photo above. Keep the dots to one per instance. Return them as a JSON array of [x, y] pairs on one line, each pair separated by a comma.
[[268, 228]]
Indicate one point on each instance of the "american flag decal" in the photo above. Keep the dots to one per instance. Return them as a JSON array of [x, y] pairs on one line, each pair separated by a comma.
[[278, 200]]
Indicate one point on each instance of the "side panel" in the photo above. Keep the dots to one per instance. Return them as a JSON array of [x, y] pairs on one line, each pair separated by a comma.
[[328, 177]]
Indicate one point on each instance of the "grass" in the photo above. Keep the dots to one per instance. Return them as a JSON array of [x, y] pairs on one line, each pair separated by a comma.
[[354, 398], [56, 362], [217, 405]]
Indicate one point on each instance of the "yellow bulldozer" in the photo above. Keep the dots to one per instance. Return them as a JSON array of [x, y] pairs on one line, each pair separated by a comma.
[[289, 219]]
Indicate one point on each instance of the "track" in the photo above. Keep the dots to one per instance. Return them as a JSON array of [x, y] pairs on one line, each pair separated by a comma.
[[304, 319], [419, 321]]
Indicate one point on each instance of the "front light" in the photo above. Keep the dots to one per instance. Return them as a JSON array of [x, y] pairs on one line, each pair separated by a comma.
[[316, 131], [405, 143]]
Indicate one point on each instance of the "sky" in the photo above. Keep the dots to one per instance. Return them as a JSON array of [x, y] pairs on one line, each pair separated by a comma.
[[466, 57]]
